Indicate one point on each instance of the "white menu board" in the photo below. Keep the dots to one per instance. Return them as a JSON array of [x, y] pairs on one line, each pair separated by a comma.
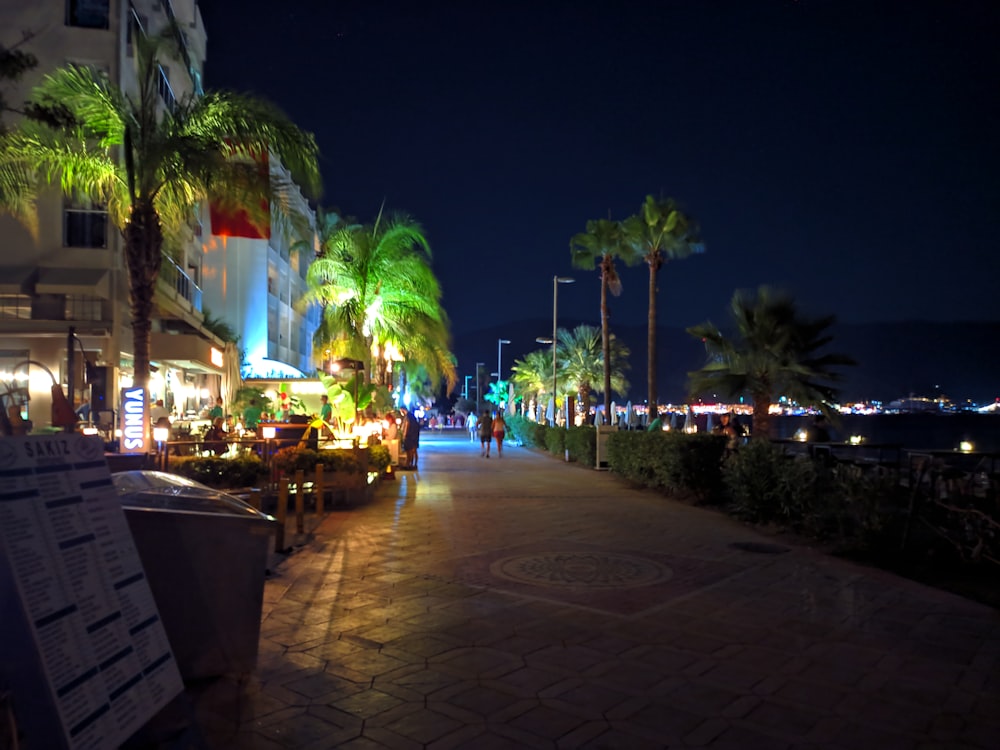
[[66, 542]]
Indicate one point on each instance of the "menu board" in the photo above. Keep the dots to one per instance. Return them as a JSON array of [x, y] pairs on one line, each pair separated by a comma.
[[64, 538]]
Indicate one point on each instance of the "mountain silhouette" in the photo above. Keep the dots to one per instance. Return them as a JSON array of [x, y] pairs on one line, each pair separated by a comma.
[[956, 359]]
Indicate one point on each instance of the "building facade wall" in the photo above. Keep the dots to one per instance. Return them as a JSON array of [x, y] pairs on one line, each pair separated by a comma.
[[72, 275]]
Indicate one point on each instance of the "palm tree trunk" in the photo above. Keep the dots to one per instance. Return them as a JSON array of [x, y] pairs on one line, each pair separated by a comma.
[[606, 335], [761, 416], [143, 258], [651, 344]]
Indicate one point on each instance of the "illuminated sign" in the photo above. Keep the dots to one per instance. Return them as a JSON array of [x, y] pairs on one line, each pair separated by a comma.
[[134, 421], [215, 357]]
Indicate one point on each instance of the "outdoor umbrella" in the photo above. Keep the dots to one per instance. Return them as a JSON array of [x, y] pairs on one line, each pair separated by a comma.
[[613, 417], [689, 424], [510, 398], [708, 423], [550, 412], [231, 378]]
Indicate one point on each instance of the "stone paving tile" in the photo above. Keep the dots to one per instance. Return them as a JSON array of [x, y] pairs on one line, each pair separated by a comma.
[[526, 681], [546, 722], [373, 636]]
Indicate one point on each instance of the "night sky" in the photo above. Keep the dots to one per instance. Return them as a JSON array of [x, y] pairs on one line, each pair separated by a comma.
[[844, 150]]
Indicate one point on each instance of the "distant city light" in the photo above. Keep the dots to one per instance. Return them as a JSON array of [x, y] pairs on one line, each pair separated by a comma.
[[966, 447]]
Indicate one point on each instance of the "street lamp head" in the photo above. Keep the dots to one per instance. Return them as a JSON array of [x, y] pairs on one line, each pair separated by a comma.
[[543, 340], [504, 341], [564, 279]]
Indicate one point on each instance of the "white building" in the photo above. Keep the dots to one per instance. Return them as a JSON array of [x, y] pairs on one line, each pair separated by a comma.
[[72, 278]]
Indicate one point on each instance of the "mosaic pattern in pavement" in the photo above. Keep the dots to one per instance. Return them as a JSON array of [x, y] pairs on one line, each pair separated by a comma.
[[620, 582]]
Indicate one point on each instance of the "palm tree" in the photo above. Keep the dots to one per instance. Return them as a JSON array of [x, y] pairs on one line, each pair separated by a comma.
[[660, 232], [584, 365], [151, 165], [17, 188], [602, 243], [774, 351], [532, 376], [380, 299]]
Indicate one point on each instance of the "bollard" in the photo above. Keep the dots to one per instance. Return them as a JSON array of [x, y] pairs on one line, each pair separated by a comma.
[[318, 486], [282, 511], [300, 496]]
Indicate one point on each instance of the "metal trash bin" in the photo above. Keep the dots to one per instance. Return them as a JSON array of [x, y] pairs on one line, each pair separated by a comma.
[[601, 454], [205, 555]]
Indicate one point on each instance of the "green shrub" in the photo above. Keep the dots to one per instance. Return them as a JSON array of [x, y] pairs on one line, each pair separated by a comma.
[[379, 458], [582, 444], [526, 432], [693, 464], [555, 441], [222, 473], [767, 485], [293, 459], [634, 455], [669, 461]]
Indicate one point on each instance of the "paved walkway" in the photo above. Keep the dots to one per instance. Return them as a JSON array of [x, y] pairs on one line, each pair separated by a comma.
[[524, 602]]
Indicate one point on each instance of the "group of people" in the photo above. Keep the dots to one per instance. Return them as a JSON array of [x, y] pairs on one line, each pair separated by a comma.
[[491, 427]]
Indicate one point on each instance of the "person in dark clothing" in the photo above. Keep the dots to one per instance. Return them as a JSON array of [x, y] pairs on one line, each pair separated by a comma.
[[215, 437], [411, 438], [485, 433]]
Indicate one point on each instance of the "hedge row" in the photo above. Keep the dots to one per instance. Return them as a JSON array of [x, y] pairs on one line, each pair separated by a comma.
[[249, 470]]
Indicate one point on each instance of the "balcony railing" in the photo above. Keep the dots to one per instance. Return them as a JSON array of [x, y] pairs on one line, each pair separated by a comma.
[[174, 277]]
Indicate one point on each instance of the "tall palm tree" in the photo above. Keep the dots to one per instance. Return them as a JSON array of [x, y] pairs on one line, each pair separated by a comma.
[[151, 165], [773, 351], [603, 243], [584, 364], [659, 233], [380, 299]]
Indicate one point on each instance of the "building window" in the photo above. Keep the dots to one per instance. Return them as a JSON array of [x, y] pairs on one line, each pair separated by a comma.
[[83, 307], [88, 14], [85, 227], [15, 307]]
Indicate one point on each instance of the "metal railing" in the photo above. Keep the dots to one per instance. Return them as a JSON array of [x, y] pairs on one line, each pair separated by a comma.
[[174, 277]]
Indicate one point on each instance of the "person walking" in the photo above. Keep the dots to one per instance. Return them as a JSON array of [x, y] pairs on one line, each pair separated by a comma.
[[411, 438], [499, 432], [485, 433], [472, 427]]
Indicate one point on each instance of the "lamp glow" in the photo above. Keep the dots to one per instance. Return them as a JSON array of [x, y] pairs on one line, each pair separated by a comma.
[[268, 432], [161, 434], [966, 447]]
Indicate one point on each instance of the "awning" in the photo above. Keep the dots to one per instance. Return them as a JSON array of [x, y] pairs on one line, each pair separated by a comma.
[[14, 280], [186, 351], [91, 281]]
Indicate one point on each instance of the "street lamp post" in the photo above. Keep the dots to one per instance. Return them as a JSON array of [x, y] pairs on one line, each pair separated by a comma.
[[478, 365], [466, 394], [500, 343], [556, 281]]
